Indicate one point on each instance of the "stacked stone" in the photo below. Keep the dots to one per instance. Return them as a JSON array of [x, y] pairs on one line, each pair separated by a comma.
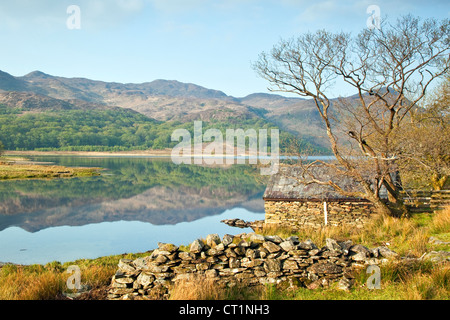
[[300, 214], [249, 258]]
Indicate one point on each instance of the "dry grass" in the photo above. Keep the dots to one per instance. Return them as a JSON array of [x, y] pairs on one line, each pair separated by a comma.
[[202, 288], [441, 221], [37, 282], [199, 288], [416, 280], [97, 276], [401, 234], [432, 285], [18, 283], [317, 235]]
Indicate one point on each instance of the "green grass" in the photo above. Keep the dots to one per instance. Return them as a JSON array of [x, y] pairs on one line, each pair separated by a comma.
[[413, 281], [390, 292]]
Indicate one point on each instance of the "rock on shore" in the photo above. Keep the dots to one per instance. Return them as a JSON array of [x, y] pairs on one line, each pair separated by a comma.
[[239, 223]]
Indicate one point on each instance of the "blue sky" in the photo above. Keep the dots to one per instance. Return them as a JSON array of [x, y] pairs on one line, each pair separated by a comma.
[[207, 42]]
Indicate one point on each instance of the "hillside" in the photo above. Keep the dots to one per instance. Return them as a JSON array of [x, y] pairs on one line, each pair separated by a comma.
[[34, 122], [161, 100], [32, 102], [296, 115]]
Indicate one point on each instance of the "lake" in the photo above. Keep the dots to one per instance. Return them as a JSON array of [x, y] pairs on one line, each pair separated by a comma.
[[134, 204]]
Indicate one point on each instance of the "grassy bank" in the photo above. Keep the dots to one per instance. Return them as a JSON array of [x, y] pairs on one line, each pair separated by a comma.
[[410, 279], [19, 168], [48, 282]]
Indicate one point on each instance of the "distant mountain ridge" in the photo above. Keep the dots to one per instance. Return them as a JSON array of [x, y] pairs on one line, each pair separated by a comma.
[[86, 87], [164, 100]]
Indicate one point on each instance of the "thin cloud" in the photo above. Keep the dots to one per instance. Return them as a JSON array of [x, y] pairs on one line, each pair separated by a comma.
[[47, 14]]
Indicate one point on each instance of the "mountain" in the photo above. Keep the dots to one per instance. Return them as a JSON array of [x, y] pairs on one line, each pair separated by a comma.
[[93, 89], [296, 115], [160, 99], [29, 101], [10, 83], [268, 101], [164, 100]]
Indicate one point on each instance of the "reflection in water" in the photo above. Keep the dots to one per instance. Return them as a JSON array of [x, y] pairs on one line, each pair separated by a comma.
[[95, 240], [106, 212]]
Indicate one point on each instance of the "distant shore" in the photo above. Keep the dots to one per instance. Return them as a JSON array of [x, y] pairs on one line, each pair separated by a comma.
[[151, 153], [155, 153]]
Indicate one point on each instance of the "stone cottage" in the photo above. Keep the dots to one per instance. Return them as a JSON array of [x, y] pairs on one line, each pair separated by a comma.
[[290, 203]]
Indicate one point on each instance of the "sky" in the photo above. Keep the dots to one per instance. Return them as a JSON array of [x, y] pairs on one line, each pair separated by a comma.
[[212, 43]]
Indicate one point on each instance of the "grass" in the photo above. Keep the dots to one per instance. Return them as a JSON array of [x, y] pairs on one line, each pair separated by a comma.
[[407, 280], [48, 282], [10, 169], [406, 236], [202, 288], [419, 280]]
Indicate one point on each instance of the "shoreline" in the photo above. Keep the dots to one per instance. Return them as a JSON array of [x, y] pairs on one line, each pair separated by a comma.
[[155, 153], [166, 153]]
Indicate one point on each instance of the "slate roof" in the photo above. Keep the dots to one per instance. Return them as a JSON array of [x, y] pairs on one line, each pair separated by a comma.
[[284, 185]]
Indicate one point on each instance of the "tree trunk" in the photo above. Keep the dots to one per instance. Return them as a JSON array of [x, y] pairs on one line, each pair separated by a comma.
[[398, 208], [394, 207], [395, 199], [382, 208]]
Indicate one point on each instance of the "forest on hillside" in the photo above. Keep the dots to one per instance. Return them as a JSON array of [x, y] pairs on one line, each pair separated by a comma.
[[107, 130]]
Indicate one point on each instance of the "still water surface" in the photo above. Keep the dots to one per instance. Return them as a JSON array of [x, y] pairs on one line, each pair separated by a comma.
[[135, 203]]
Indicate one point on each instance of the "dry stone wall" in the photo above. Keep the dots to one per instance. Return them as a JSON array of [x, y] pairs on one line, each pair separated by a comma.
[[300, 214], [251, 259]]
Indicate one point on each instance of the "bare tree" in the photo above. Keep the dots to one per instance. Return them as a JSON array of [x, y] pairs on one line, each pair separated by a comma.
[[389, 70]]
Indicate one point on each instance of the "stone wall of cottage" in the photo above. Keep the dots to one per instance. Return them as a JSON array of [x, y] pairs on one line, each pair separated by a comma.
[[251, 259], [301, 214]]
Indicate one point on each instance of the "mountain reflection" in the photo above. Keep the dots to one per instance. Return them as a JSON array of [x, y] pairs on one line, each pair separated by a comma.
[[150, 190]]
